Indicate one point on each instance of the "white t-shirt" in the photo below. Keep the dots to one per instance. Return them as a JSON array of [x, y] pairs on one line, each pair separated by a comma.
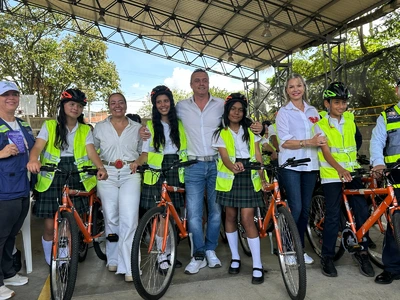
[[168, 148]]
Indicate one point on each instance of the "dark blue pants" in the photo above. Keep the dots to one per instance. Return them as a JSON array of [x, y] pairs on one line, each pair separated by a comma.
[[391, 253], [299, 187], [12, 216], [333, 200]]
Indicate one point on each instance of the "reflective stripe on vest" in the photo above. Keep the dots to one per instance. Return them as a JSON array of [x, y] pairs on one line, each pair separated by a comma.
[[155, 159], [342, 147], [51, 155], [392, 151], [225, 176]]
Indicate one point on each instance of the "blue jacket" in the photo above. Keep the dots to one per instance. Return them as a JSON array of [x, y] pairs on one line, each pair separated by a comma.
[[14, 181]]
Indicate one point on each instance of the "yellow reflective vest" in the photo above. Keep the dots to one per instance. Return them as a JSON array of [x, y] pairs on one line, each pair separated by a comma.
[[342, 147], [391, 117], [155, 159], [51, 155], [224, 175]]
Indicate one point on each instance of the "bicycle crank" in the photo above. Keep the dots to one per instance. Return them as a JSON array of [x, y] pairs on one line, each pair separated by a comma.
[[349, 241]]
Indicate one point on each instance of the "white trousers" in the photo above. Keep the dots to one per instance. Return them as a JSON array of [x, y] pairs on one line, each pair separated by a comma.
[[120, 196]]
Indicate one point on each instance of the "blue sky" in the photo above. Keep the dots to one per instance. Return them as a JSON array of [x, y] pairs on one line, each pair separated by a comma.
[[140, 72]]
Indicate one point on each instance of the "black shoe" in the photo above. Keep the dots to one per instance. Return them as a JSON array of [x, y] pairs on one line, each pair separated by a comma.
[[386, 277], [17, 263], [178, 264], [258, 280], [327, 267], [234, 270], [366, 268]]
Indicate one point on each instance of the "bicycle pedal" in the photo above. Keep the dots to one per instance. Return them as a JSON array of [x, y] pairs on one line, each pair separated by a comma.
[[355, 248], [112, 237]]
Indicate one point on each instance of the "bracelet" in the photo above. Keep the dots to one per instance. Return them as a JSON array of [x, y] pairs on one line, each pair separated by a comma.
[[301, 144]]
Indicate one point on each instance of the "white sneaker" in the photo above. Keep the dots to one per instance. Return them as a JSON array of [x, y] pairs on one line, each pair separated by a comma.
[[128, 278], [16, 280], [290, 260], [195, 265], [112, 268], [213, 261], [308, 259], [6, 293]]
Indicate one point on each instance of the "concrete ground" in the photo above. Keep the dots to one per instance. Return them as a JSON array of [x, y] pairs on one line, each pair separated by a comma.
[[94, 282]]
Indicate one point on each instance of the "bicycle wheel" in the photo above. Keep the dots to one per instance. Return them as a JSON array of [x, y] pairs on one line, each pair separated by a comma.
[[243, 239], [375, 241], [64, 267], [83, 247], [315, 226], [396, 227], [291, 259], [98, 226], [150, 280]]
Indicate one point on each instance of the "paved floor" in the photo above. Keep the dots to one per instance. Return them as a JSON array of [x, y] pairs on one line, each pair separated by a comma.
[[96, 283]]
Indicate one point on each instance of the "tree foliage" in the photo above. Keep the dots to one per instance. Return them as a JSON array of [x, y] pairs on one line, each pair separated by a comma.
[[44, 61]]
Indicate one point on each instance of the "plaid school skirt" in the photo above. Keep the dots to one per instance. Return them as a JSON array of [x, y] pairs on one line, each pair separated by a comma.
[[151, 193], [48, 201], [242, 193]]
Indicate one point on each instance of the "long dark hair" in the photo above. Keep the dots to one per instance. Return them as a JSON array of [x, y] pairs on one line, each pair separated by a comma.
[[61, 129], [245, 122], [159, 138]]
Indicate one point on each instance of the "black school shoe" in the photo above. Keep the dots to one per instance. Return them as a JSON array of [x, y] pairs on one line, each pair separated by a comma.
[[386, 277], [258, 280], [327, 267], [366, 268], [234, 270]]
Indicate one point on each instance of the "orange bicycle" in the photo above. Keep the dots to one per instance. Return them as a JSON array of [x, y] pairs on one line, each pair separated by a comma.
[[279, 220], [155, 240], [70, 245], [383, 209]]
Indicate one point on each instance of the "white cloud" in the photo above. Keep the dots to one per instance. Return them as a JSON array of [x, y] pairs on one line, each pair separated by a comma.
[[180, 80], [136, 85]]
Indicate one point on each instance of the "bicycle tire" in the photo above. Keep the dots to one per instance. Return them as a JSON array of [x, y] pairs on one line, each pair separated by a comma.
[[396, 227], [98, 226], [149, 281], [64, 269], [243, 239], [294, 272], [375, 241], [83, 247], [315, 227]]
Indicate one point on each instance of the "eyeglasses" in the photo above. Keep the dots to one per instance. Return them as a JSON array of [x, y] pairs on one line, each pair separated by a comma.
[[158, 89]]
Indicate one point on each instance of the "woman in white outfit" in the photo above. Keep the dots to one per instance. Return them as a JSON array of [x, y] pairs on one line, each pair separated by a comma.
[[119, 142]]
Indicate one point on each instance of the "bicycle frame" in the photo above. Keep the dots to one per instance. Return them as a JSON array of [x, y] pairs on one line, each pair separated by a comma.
[[378, 212], [67, 205], [165, 200]]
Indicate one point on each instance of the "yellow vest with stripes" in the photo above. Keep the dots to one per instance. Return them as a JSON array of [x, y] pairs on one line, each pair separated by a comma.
[[391, 117], [342, 147], [51, 155], [224, 175], [155, 159]]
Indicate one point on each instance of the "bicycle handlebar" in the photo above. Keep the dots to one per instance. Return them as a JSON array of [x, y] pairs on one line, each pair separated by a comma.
[[54, 168], [290, 162], [178, 164]]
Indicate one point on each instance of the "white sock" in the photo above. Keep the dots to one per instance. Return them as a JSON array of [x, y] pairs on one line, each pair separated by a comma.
[[47, 250], [233, 241], [162, 257], [254, 245]]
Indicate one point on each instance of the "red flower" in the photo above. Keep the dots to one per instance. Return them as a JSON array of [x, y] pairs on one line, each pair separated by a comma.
[[313, 119]]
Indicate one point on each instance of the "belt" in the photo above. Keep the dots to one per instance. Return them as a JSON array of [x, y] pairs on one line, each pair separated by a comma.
[[118, 163], [203, 158]]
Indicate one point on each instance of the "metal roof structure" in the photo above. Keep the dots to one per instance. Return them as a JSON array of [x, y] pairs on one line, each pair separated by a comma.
[[235, 38]]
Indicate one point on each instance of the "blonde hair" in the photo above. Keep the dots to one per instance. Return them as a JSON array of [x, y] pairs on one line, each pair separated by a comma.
[[296, 76]]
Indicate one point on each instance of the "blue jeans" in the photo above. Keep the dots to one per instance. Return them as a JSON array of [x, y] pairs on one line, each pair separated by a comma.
[[299, 187], [198, 178], [333, 200]]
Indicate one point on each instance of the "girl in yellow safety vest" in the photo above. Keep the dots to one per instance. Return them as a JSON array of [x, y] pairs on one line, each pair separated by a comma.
[[238, 188], [68, 143], [166, 145]]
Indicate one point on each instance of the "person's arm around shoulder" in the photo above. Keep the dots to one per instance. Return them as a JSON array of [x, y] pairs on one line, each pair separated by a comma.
[[142, 159]]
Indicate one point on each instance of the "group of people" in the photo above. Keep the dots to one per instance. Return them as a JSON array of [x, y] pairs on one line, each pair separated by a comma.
[[221, 138]]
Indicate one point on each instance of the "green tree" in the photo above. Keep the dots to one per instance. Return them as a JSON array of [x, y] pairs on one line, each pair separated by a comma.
[[44, 62]]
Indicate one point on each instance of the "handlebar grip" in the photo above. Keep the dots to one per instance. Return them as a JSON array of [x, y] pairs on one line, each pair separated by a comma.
[[48, 168], [142, 169], [300, 161]]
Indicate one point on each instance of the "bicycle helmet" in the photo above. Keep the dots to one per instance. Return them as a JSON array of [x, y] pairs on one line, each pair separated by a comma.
[[73, 95], [236, 97], [160, 90], [336, 90]]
